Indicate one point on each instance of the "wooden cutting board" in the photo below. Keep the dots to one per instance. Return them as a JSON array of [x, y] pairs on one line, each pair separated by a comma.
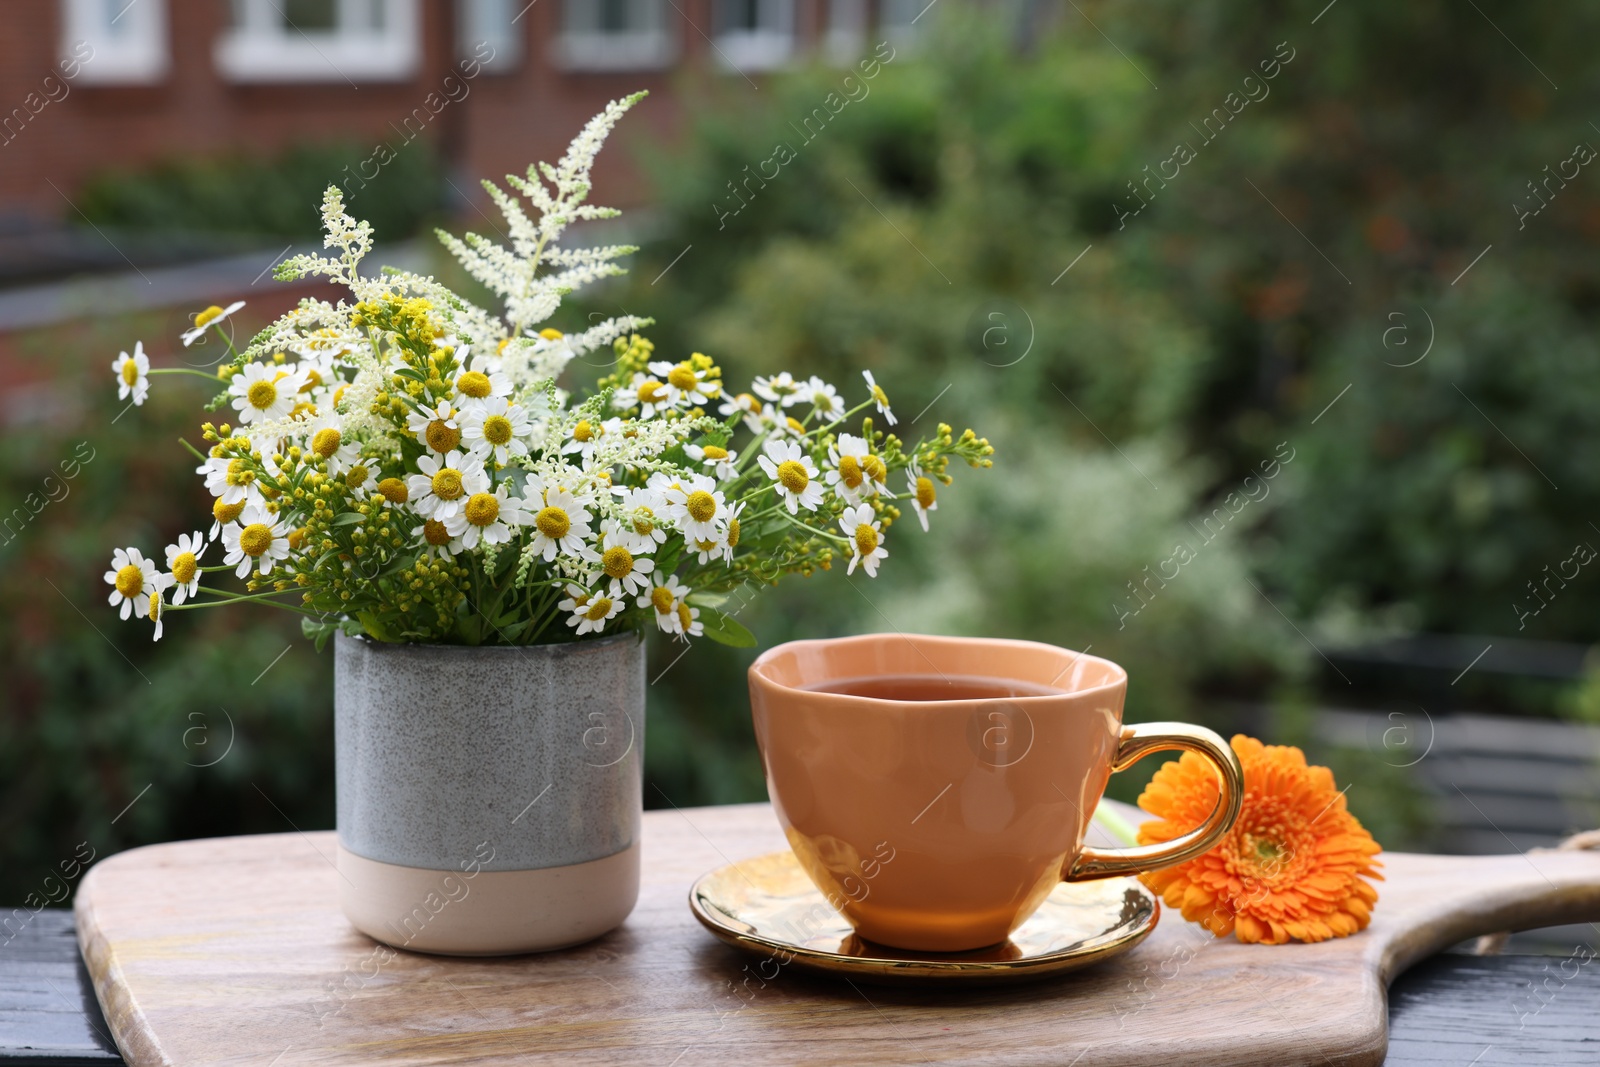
[[233, 951]]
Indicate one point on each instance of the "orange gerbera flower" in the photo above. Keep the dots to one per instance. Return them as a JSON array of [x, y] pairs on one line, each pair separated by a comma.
[[1294, 864]]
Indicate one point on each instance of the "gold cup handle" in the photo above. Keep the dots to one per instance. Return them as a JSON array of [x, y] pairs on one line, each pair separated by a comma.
[[1139, 741]]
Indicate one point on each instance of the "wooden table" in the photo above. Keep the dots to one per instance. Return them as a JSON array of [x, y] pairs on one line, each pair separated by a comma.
[[232, 951]]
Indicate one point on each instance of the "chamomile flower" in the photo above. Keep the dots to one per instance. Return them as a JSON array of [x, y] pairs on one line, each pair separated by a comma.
[[628, 573], [481, 384], [780, 389], [231, 481], [132, 578], [698, 507], [183, 564], [494, 426], [361, 480], [684, 386], [748, 408], [923, 495], [848, 459], [824, 398], [209, 317], [263, 392], [643, 513], [158, 607], [436, 539], [560, 521], [719, 459], [665, 597], [709, 548], [587, 436], [879, 397], [644, 392], [436, 427], [445, 484], [788, 465], [589, 612], [326, 437], [689, 624], [133, 374], [861, 526], [254, 540], [486, 517]]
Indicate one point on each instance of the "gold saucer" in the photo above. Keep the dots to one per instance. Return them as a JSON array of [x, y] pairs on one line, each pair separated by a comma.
[[768, 906]]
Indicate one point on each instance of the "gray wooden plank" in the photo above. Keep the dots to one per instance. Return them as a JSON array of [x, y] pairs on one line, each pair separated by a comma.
[[48, 1014]]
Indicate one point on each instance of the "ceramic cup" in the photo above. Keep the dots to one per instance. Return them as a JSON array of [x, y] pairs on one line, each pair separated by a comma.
[[941, 825]]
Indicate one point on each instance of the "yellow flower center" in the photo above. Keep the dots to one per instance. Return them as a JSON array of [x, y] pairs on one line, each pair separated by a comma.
[[644, 521], [706, 546], [583, 432], [550, 333], [447, 484], [661, 597], [355, 477], [685, 617], [650, 392], [683, 377], [130, 372], [184, 566], [598, 609], [255, 539], [850, 471], [925, 493], [474, 383], [795, 425], [130, 581], [749, 403], [497, 430], [879, 395], [716, 453], [313, 379], [441, 436], [226, 513], [553, 522], [394, 490], [874, 468], [702, 505], [733, 533], [618, 562], [297, 538], [483, 508], [866, 539], [262, 395], [325, 442], [208, 316], [155, 608], [792, 474], [434, 532]]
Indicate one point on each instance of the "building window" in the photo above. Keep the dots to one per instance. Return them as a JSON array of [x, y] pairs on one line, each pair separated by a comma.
[[899, 20], [754, 34], [129, 41], [487, 31], [847, 30], [320, 41], [601, 35]]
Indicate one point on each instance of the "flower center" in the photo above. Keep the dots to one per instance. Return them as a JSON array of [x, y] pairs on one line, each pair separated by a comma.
[[733, 533], [497, 429], [226, 513], [394, 490], [313, 379], [262, 395], [355, 477], [685, 617], [682, 377], [850, 471], [208, 316], [793, 475], [662, 599], [599, 607], [434, 532], [618, 562], [325, 442], [874, 468], [442, 437], [583, 432], [447, 484], [155, 608], [650, 392], [880, 396], [715, 452], [553, 523], [866, 539], [750, 403], [183, 567], [130, 372], [483, 508], [644, 521], [474, 383], [925, 493], [255, 539], [702, 505], [297, 537], [130, 580]]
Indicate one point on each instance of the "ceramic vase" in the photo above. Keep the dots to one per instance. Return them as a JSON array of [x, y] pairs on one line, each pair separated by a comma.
[[489, 799]]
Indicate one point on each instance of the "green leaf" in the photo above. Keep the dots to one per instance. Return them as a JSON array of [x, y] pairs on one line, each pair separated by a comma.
[[708, 600], [725, 629], [349, 518], [317, 631]]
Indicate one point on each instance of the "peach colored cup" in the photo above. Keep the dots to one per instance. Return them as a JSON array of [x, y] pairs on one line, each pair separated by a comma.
[[941, 825]]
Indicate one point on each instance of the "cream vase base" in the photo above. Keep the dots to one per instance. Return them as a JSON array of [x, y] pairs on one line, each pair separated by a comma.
[[491, 913]]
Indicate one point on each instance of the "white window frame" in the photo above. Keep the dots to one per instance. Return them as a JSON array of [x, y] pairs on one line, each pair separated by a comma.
[[494, 23], [259, 49], [131, 48], [579, 48], [768, 48], [846, 36]]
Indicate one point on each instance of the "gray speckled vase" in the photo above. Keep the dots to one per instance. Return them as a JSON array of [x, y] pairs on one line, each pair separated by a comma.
[[489, 798]]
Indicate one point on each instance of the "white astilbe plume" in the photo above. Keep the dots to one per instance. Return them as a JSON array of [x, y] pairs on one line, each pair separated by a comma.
[[352, 238], [513, 273]]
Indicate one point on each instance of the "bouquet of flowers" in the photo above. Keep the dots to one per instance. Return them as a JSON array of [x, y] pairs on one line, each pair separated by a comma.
[[406, 466]]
